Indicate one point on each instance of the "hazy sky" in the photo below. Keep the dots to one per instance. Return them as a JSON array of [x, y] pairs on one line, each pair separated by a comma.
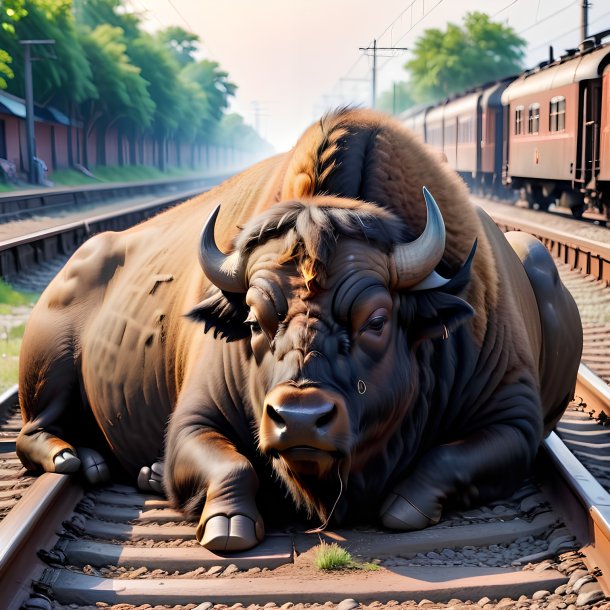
[[293, 59]]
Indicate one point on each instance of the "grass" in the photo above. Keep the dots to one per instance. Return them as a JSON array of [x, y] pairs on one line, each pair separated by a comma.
[[9, 298], [11, 334], [10, 344], [127, 173], [334, 557], [112, 173]]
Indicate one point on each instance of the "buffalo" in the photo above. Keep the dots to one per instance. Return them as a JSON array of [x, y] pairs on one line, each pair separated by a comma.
[[336, 329]]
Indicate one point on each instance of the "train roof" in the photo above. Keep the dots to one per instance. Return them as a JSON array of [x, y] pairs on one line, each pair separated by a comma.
[[587, 64]]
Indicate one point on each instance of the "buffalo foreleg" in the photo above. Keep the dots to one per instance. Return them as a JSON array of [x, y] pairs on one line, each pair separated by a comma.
[[487, 465], [204, 469]]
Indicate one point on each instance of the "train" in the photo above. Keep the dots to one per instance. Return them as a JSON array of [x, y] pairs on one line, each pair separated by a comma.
[[544, 133]]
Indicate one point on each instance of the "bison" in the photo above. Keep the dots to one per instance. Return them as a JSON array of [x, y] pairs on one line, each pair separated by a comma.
[[313, 333]]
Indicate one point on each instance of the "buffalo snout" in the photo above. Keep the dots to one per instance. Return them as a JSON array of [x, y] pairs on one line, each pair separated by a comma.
[[302, 424]]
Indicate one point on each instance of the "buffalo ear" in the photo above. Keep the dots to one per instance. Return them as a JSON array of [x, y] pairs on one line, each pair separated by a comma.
[[224, 312], [438, 314]]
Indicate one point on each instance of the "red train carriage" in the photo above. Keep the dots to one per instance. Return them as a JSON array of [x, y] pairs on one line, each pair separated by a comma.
[[467, 130], [602, 180], [554, 120]]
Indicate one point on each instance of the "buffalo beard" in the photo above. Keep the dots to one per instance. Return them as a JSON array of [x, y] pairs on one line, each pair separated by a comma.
[[318, 492]]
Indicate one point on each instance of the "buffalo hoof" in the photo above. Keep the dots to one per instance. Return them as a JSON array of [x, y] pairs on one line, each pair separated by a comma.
[[151, 478], [94, 466], [399, 513], [65, 462], [237, 533]]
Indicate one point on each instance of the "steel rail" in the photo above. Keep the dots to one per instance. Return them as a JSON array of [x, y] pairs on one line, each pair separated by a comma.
[[588, 256], [29, 526], [18, 254], [8, 400], [584, 503], [15, 204]]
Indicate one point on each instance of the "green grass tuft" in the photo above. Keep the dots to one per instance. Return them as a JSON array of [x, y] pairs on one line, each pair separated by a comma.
[[334, 557], [331, 557]]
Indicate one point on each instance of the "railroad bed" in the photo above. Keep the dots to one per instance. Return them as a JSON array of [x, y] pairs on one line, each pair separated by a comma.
[[127, 549]]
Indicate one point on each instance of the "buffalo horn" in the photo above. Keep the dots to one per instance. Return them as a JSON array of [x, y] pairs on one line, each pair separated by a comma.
[[226, 271], [415, 261]]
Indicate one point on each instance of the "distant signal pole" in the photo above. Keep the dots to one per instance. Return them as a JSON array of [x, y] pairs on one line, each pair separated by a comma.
[[29, 103], [374, 50]]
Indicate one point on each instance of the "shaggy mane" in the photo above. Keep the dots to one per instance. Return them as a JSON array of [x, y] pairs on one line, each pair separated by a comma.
[[311, 229]]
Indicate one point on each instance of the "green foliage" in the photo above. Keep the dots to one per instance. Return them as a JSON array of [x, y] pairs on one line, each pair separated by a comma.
[[121, 90], [334, 557], [214, 82], [63, 74], [396, 99], [10, 12], [463, 57], [158, 69], [92, 13], [181, 43]]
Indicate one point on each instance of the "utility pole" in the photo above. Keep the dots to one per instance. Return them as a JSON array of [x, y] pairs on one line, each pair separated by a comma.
[[374, 49], [29, 103], [584, 19]]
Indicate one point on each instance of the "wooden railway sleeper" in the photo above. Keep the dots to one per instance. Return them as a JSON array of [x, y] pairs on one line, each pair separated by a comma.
[[75, 525]]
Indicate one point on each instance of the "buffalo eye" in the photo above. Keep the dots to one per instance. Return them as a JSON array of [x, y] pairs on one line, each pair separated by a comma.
[[375, 324], [252, 322]]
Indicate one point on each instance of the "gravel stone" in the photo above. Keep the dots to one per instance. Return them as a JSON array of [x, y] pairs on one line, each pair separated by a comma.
[[589, 593], [540, 594], [347, 604], [581, 581], [204, 606], [483, 601]]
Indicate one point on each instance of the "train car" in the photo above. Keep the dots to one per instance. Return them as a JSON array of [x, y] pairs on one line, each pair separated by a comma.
[[467, 130], [415, 119], [461, 134], [554, 120], [492, 148]]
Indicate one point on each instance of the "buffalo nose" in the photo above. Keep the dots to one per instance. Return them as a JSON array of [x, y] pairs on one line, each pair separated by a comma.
[[301, 417]]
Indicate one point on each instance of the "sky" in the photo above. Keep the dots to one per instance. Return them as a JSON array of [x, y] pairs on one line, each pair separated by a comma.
[[294, 59]]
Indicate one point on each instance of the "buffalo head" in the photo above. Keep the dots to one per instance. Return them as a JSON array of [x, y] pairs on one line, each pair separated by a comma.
[[335, 305]]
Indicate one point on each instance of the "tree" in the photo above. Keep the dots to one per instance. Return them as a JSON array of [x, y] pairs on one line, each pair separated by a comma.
[[214, 82], [181, 43], [10, 12], [234, 132], [396, 99], [121, 91], [107, 12], [63, 74], [461, 58]]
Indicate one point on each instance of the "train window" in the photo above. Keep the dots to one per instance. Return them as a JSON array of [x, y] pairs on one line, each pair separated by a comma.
[[518, 120], [557, 113], [533, 118]]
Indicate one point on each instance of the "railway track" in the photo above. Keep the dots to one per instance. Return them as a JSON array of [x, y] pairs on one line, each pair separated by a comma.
[[545, 547], [28, 261]]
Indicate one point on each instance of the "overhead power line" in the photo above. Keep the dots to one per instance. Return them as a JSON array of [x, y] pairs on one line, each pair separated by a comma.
[[374, 50]]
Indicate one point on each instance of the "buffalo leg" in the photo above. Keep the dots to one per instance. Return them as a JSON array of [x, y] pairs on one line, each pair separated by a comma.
[[40, 446], [485, 466], [205, 468], [150, 478]]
